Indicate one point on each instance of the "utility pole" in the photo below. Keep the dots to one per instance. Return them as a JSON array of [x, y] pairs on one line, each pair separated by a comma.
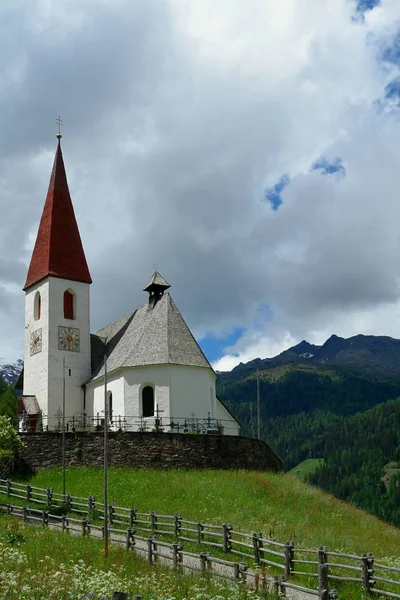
[[63, 434], [105, 456], [251, 419], [258, 407]]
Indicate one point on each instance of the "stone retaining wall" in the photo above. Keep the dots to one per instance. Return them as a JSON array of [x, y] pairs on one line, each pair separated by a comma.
[[154, 450]]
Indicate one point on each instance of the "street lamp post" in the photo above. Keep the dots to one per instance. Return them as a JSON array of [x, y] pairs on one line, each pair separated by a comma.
[[63, 433], [105, 454]]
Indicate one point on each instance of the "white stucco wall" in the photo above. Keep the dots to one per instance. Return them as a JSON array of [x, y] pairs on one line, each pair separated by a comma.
[[43, 372], [36, 366], [95, 396], [181, 392], [231, 427]]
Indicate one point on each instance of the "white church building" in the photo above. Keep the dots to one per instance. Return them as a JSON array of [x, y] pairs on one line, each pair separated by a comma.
[[147, 365]]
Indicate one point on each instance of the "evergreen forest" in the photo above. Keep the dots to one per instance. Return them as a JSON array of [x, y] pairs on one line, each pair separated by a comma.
[[349, 419]]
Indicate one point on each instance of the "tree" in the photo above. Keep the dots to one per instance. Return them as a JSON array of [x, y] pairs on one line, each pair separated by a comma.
[[10, 445], [8, 403]]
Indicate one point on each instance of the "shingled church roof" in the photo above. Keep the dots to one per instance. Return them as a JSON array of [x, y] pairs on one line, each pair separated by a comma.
[[152, 335]]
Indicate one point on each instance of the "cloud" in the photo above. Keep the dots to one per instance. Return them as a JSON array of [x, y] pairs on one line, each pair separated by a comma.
[[178, 116]]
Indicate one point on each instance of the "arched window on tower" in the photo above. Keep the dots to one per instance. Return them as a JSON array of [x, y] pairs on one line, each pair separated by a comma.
[[148, 401], [37, 306], [69, 304]]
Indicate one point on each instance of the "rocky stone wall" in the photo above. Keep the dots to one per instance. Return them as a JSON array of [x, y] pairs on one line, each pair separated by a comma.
[[154, 450]]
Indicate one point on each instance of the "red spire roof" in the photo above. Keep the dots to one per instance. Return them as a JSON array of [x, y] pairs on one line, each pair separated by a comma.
[[58, 250]]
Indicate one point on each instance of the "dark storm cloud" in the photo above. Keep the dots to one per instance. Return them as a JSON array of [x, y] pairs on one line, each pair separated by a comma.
[[178, 117]]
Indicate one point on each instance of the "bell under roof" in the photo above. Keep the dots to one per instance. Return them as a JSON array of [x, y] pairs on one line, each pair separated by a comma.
[[156, 280]]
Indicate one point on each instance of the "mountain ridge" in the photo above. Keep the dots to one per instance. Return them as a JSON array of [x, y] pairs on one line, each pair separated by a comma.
[[380, 354]]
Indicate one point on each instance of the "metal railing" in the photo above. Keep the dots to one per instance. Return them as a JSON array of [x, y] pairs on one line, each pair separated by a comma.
[[137, 423]]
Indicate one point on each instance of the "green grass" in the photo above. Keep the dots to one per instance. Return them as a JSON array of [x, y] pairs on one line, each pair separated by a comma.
[[279, 505], [307, 467], [39, 564]]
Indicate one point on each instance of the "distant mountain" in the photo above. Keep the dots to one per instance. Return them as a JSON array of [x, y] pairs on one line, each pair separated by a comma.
[[10, 373], [366, 353]]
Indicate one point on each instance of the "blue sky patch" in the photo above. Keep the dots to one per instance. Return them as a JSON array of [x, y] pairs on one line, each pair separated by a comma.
[[363, 5], [392, 90], [214, 347], [392, 53], [273, 194], [329, 167]]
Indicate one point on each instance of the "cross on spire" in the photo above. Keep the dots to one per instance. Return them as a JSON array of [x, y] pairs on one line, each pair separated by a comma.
[[60, 123]]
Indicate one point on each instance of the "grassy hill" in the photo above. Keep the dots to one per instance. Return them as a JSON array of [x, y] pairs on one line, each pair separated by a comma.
[[39, 564], [307, 467], [281, 506]]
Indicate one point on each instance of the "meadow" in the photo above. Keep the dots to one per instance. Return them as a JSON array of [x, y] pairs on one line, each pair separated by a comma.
[[40, 564], [279, 505]]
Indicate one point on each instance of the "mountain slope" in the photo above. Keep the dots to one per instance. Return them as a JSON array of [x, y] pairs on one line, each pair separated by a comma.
[[355, 454], [10, 372]]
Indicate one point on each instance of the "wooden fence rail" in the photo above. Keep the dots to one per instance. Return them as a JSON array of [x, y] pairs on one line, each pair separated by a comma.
[[291, 562]]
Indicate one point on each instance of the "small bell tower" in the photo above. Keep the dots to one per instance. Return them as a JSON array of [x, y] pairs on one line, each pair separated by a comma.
[[156, 287]]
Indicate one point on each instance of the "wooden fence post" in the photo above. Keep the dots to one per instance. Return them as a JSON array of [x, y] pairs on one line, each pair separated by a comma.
[[24, 513], [128, 539], [122, 596], [236, 571], [84, 527], [177, 525], [260, 545], [150, 551], [132, 517], [28, 492], [203, 562], [63, 522], [227, 537], [243, 571], [49, 494], [8, 485], [367, 565], [176, 555], [153, 522], [289, 557], [45, 518], [200, 532], [68, 503], [111, 511], [323, 581], [91, 505], [256, 550]]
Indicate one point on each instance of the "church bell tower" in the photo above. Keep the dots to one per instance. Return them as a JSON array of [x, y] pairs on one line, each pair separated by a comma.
[[57, 312]]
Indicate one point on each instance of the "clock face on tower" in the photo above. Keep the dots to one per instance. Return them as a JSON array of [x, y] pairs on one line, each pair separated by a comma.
[[68, 338], [36, 341]]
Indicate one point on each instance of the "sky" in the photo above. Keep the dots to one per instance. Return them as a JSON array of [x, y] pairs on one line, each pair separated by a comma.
[[251, 151]]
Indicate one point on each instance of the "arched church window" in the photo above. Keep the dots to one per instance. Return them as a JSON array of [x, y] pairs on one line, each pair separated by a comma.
[[148, 401], [69, 305], [37, 306]]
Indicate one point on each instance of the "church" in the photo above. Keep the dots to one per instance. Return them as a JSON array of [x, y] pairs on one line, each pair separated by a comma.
[[146, 366]]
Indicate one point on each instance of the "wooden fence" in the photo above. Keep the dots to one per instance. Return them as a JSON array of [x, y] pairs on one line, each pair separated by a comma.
[[290, 565]]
